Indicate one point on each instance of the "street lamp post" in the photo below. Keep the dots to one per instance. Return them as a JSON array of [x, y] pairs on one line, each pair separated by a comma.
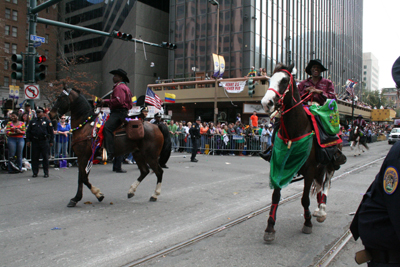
[[216, 3]]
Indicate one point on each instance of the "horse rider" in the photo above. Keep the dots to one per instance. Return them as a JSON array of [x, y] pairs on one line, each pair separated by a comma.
[[40, 134], [195, 135], [360, 122], [377, 220], [320, 88], [120, 103]]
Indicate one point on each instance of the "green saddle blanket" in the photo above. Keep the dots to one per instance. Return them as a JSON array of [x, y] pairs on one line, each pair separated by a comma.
[[329, 116], [286, 162]]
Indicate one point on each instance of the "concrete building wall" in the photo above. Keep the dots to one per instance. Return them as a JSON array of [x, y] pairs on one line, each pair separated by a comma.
[[370, 72]]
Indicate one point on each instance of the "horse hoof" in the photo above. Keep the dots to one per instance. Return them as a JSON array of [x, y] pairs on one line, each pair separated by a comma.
[[100, 199], [71, 204], [130, 195], [321, 219], [269, 237], [307, 229], [153, 199]]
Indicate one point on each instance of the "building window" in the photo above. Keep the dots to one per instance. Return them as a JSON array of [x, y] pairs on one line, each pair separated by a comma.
[[15, 15], [6, 64], [7, 48], [13, 81], [15, 1], [365, 78], [365, 66], [7, 30], [14, 31], [14, 48], [47, 38], [8, 13], [6, 81], [365, 73], [46, 53], [27, 34]]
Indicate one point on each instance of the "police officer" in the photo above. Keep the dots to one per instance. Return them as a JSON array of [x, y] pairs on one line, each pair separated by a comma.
[[377, 221], [157, 118], [144, 111], [195, 135], [40, 134]]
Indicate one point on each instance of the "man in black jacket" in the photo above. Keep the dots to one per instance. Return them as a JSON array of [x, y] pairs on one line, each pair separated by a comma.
[[195, 136]]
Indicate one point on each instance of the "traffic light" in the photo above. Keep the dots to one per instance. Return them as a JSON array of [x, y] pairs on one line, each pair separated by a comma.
[[39, 67], [168, 45], [16, 66], [250, 84], [122, 35]]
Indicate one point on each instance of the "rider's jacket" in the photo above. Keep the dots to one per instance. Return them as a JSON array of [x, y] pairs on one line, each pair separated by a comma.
[[121, 97], [323, 84], [360, 123]]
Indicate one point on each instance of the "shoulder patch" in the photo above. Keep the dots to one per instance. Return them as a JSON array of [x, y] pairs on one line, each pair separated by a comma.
[[390, 180]]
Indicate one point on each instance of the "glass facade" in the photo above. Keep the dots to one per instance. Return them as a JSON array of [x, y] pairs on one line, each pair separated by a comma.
[[261, 33]]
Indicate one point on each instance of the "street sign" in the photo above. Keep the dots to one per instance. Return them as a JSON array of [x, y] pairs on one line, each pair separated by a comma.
[[36, 38], [32, 91], [37, 44]]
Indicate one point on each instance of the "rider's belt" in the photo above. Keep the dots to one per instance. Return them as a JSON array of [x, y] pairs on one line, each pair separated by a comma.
[[119, 110], [384, 256]]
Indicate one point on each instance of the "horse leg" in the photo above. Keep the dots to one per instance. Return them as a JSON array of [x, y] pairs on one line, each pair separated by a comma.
[[159, 173], [269, 234], [320, 212], [305, 202], [144, 171]]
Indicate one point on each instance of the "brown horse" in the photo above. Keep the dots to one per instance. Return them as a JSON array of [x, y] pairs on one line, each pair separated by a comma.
[[283, 97], [151, 151], [357, 138]]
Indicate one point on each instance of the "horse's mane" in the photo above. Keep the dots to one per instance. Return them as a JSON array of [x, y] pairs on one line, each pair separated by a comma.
[[81, 105]]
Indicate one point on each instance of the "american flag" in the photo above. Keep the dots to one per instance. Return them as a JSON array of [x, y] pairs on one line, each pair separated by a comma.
[[350, 87], [153, 99]]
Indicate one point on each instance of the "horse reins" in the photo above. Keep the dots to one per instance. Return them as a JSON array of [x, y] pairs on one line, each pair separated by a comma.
[[282, 110]]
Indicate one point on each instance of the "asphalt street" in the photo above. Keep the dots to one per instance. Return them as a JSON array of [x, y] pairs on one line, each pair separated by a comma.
[[37, 229]]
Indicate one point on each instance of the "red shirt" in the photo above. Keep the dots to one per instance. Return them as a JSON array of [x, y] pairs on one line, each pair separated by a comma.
[[254, 120], [324, 84], [121, 97]]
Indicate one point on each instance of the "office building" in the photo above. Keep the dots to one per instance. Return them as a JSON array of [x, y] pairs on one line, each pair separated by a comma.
[[370, 72]]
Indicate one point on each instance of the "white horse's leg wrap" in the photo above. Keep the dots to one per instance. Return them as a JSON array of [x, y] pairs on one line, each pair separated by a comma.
[[158, 191], [133, 187], [96, 191]]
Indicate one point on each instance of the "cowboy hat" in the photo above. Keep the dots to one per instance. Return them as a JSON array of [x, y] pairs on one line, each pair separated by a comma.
[[121, 73], [312, 63]]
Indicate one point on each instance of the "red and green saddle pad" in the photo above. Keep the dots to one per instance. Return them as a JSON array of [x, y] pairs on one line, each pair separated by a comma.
[[329, 116], [286, 162]]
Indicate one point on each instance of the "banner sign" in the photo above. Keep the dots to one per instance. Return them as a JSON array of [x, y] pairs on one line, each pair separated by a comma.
[[216, 65], [221, 66], [233, 87], [14, 91]]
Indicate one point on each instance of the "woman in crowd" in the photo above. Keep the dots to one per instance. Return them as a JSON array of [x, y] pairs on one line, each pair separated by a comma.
[[15, 131], [63, 129], [188, 139], [203, 132], [181, 137]]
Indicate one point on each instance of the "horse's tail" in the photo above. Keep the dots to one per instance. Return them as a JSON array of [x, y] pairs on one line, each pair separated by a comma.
[[166, 149]]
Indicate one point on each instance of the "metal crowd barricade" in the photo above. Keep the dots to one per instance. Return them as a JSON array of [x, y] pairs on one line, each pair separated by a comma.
[[228, 144], [27, 153]]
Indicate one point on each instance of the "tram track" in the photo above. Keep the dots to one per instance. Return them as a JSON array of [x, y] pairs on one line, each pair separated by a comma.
[[327, 258]]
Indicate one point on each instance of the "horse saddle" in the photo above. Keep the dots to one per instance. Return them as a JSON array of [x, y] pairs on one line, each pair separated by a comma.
[[132, 127]]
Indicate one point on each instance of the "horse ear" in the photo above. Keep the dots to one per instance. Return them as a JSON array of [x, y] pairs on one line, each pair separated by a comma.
[[292, 69]]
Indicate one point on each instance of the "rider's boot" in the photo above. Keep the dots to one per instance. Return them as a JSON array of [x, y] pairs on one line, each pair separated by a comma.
[[266, 155]]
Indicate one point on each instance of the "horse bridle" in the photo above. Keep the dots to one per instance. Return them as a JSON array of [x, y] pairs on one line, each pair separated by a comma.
[[289, 88]]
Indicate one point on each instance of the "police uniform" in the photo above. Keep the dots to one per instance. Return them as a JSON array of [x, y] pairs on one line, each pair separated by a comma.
[[40, 134], [195, 135], [377, 221], [157, 118]]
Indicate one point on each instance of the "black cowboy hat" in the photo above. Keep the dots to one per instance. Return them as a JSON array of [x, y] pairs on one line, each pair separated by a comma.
[[121, 73], [312, 63], [396, 72]]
